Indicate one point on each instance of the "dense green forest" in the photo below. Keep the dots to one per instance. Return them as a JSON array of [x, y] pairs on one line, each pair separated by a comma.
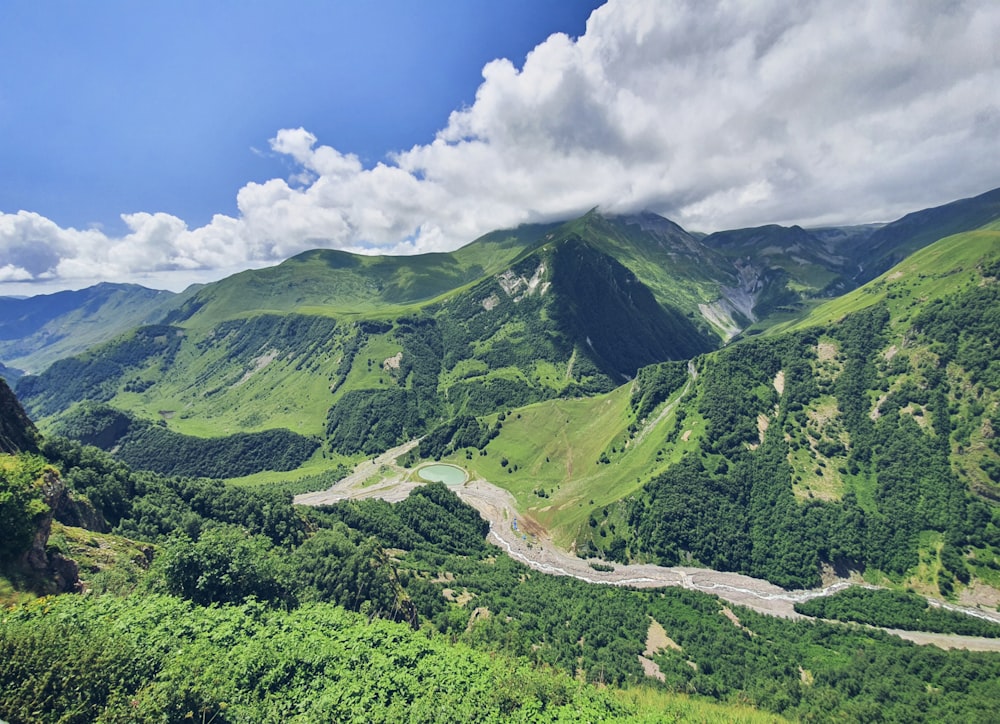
[[894, 609], [738, 503], [148, 446]]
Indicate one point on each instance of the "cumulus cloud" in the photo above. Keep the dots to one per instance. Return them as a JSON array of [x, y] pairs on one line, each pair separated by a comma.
[[717, 114]]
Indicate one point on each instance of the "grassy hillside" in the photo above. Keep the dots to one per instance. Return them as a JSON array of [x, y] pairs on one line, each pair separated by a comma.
[[892, 243], [939, 270], [565, 460], [336, 283], [366, 382], [37, 331]]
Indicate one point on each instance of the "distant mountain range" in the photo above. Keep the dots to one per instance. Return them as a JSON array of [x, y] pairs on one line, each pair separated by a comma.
[[724, 282], [36, 331]]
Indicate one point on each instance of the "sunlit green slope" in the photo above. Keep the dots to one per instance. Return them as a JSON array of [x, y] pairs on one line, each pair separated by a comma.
[[934, 272], [337, 283], [863, 437]]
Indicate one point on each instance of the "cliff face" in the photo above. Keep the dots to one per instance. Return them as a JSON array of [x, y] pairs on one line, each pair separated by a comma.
[[51, 571], [17, 431], [61, 573]]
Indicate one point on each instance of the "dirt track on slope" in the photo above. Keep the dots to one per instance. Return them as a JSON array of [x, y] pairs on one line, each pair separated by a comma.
[[525, 540]]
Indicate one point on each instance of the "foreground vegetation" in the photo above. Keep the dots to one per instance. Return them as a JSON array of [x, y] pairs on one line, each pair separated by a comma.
[[252, 610], [159, 658]]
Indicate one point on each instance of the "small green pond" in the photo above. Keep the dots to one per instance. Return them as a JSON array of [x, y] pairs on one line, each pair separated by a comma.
[[447, 474]]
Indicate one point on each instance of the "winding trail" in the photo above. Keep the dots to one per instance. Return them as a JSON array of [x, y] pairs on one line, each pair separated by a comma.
[[525, 540]]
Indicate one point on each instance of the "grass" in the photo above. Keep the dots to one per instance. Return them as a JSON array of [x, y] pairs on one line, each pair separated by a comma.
[[207, 395], [936, 271], [11, 595], [106, 562], [554, 447], [317, 473], [651, 704]]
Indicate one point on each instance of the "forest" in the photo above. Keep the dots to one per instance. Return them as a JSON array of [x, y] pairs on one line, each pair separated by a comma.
[[411, 595], [732, 505]]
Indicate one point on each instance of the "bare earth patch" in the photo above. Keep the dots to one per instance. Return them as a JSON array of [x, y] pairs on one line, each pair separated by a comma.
[[657, 639], [257, 364], [728, 613], [779, 382], [392, 363], [651, 669], [980, 596], [763, 422], [826, 351]]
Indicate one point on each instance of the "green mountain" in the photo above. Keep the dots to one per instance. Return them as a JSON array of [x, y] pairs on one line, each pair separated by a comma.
[[860, 438], [367, 351], [793, 432], [36, 331], [892, 243]]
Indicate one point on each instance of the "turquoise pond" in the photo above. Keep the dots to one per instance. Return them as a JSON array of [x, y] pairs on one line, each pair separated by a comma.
[[447, 474]]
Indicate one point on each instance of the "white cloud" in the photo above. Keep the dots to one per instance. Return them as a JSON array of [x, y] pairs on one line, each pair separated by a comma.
[[716, 114]]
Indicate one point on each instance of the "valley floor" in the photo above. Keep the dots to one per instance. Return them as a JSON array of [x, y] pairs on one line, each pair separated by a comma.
[[525, 540]]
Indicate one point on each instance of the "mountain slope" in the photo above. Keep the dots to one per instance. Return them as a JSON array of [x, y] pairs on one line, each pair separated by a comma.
[[365, 352], [893, 242], [863, 440], [17, 432], [36, 331], [564, 319], [326, 281]]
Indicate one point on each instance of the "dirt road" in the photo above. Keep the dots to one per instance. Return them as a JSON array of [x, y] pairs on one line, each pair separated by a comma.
[[528, 542]]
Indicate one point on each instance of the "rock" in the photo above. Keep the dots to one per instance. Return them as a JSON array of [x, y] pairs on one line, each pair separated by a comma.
[[17, 431]]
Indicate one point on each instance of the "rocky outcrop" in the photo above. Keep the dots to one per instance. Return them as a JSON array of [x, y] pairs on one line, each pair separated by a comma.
[[61, 574], [17, 431]]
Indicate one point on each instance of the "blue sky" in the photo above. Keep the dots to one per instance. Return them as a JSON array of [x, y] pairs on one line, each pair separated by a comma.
[[116, 107], [167, 143]]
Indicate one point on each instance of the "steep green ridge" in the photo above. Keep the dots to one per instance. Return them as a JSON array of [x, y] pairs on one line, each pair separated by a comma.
[[678, 268], [892, 243], [564, 319], [863, 441], [37, 331], [934, 272], [325, 281]]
